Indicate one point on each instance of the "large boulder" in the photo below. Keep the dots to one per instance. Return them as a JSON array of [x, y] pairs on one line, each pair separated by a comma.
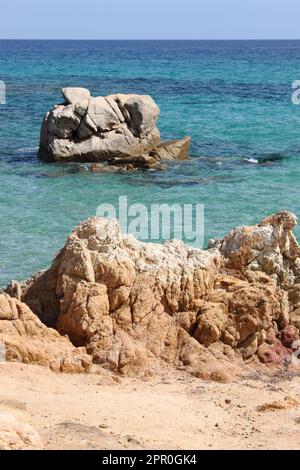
[[76, 95], [102, 129], [132, 303]]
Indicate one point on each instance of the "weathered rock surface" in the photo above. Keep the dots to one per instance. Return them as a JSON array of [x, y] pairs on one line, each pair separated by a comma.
[[15, 435], [269, 247], [24, 338], [120, 129], [132, 304]]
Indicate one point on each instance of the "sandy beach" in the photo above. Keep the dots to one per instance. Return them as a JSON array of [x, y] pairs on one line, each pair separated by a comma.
[[100, 411]]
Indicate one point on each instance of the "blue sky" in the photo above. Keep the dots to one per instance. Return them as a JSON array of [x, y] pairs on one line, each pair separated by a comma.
[[150, 19]]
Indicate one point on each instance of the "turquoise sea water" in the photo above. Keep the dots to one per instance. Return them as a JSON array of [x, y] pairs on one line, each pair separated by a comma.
[[233, 98]]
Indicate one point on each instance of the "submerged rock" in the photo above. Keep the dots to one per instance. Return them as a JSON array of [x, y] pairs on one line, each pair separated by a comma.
[[105, 129], [134, 304]]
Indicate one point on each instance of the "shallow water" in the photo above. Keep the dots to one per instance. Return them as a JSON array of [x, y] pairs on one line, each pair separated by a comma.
[[233, 98]]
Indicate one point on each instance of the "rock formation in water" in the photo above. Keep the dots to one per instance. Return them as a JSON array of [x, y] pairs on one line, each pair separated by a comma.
[[117, 129], [134, 304]]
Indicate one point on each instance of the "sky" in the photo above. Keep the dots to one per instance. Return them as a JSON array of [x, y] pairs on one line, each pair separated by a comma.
[[150, 19]]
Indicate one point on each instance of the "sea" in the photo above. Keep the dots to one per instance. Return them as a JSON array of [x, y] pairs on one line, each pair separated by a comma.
[[234, 98]]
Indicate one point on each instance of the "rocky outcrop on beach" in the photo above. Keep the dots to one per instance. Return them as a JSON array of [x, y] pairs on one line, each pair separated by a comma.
[[119, 129], [133, 304], [269, 247], [24, 338], [16, 435]]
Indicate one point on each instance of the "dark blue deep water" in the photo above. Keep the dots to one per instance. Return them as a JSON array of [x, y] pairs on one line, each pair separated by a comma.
[[233, 98]]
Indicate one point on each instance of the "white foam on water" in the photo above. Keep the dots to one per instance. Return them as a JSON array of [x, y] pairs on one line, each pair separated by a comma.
[[28, 149]]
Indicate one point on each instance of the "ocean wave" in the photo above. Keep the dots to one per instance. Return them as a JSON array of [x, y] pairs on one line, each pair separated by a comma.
[[28, 149], [250, 160]]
